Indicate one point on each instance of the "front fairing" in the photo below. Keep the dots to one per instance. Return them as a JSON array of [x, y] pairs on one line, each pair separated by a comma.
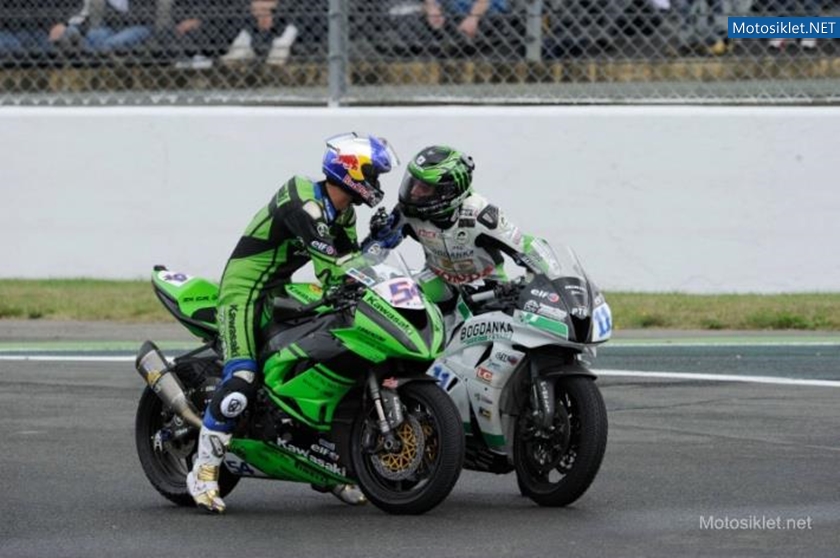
[[560, 297], [393, 318]]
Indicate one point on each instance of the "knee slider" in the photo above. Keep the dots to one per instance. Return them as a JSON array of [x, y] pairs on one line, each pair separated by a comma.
[[232, 397]]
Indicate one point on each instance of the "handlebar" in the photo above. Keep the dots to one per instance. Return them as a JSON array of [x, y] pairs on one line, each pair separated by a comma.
[[340, 298], [501, 297], [482, 296]]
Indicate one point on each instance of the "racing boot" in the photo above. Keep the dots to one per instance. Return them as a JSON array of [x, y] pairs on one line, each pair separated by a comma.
[[203, 480]]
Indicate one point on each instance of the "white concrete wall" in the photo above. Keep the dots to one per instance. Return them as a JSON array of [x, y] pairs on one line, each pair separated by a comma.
[[695, 199]]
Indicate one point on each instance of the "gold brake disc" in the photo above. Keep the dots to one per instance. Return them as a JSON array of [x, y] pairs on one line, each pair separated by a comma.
[[431, 441], [403, 463]]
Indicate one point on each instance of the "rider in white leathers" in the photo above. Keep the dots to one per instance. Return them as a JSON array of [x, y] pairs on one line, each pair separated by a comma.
[[462, 234]]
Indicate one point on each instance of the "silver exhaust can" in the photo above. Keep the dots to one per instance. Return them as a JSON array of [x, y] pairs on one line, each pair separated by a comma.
[[153, 368]]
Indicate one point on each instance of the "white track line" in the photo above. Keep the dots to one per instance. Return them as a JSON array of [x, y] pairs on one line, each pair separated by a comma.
[[774, 380], [719, 378], [721, 343], [68, 358]]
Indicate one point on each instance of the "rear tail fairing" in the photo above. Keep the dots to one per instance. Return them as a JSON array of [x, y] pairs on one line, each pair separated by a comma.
[[192, 300]]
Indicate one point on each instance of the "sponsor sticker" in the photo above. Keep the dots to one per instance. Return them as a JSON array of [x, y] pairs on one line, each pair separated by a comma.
[[444, 377], [401, 293], [551, 312], [323, 247], [323, 229], [551, 326], [505, 357], [485, 331], [548, 295], [173, 278], [349, 162], [459, 278], [360, 277]]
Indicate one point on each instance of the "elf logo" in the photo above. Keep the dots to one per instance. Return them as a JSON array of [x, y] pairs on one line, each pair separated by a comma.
[[539, 293]]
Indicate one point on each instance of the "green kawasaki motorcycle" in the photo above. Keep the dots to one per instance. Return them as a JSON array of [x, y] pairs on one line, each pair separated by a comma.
[[345, 397]]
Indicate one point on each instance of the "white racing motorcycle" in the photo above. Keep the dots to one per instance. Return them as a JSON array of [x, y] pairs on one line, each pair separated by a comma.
[[514, 365]]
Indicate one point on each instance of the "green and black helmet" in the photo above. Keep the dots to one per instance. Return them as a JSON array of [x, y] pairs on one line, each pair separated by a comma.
[[436, 182]]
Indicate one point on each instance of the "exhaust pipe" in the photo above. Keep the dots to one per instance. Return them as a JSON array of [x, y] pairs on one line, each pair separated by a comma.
[[152, 367]]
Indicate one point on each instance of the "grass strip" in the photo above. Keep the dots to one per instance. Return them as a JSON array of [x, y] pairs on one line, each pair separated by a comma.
[[134, 302]]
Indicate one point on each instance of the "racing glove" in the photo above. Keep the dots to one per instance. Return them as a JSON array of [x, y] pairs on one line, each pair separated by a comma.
[[386, 229]]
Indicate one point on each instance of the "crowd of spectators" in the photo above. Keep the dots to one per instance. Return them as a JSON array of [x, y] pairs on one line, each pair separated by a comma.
[[200, 33]]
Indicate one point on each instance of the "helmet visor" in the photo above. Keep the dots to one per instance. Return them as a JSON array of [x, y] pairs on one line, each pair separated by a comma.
[[416, 192]]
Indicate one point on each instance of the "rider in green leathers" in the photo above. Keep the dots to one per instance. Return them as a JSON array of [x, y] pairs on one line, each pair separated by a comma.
[[303, 221]]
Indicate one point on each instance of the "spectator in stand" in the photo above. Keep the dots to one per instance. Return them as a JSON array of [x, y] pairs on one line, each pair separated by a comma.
[[126, 24], [266, 36], [794, 8], [476, 25], [20, 32], [710, 37], [202, 30]]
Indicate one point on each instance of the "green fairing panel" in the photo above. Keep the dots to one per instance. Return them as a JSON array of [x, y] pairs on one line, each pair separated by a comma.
[[436, 321], [287, 463], [363, 339], [385, 341], [195, 297], [317, 392], [278, 365], [435, 288]]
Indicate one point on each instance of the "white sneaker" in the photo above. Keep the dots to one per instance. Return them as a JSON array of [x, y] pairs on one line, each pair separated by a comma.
[[281, 46], [808, 44], [197, 62], [240, 49], [203, 480]]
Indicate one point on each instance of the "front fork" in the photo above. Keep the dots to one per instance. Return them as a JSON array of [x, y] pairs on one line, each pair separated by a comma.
[[389, 412], [542, 399]]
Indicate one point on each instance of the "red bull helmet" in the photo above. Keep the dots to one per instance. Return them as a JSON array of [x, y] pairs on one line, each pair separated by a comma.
[[354, 163]]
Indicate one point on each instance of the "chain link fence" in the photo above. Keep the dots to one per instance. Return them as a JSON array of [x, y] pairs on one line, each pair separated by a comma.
[[405, 51]]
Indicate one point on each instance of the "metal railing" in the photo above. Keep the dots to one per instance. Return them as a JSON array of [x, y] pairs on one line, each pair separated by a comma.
[[405, 51]]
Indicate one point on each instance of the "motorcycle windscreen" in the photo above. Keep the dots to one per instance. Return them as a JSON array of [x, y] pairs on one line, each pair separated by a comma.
[[387, 275]]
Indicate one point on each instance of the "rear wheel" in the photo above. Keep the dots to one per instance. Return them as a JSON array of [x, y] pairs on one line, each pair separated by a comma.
[[166, 447], [422, 472], [556, 467]]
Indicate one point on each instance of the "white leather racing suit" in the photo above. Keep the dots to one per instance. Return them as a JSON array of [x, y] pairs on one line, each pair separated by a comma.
[[470, 249]]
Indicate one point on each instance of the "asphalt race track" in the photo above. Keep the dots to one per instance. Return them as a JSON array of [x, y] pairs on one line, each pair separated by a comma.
[[694, 467]]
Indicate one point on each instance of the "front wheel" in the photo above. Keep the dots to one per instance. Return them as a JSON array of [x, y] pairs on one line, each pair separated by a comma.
[[422, 472], [555, 467]]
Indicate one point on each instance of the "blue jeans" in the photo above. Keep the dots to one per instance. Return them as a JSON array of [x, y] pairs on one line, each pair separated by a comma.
[[714, 27], [795, 8], [17, 42], [106, 39]]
